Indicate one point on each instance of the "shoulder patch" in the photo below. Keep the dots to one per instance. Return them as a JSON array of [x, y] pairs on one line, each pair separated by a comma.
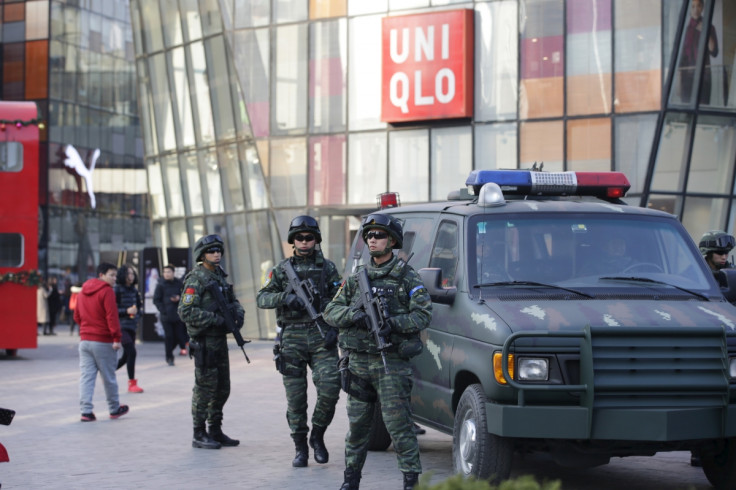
[[339, 290], [188, 296], [269, 276]]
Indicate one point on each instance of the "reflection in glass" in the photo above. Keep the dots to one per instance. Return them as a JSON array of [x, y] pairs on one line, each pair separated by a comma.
[[219, 83], [407, 161], [156, 190], [172, 185], [252, 62], [152, 36], [182, 99], [203, 109], [213, 187], [178, 233], [171, 22], [190, 19], [702, 214], [364, 78], [164, 122], [541, 142], [192, 189], [290, 80], [255, 188], [326, 170], [288, 176], [714, 145], [589, 144], [366, 167], [451, 160], [327, 59], [496, 47], [230, 171], [634, 136], [289, 11], [495, 146], [670, 153]]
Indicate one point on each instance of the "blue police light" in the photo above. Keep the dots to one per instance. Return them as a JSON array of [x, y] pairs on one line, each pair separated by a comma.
[[607, 185]]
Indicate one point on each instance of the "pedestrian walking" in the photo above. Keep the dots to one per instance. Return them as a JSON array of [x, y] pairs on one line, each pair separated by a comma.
[[129, 312], [99, 332], [300, 343], [42, 307], [166, 298], [367, 377], [208, 340]]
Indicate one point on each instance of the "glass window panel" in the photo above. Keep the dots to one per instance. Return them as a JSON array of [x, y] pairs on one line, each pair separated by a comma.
[[251, 14], [192, 189], [37, 20], [196, 229], [11, 250], [178, 232], [541, 142], [257, 236], [151, 20], [670, 24], [360, 7], [190, 19], [670, 152], [172, 185], [407, 4], [496, 62], [210, 16], [11, 156], [203, 109], [288, 175], [451, 160], [230, 171], [157, 200], [213, 187], [14, 32], [638, 51], [367, 167], [161, 102], [171, 22], [326, 170], [719, 76], [364, 78], [256, 196], [714, 151], [319, 9], [542, 62], [327, 76], [252, 62], [588, 56], [289, 11], [37, 65], [13, 12], [147, 117], [634, 136], [408, 161], [701, 214], [290, 80], [495, 146], [182, 99], [219, 82], [589, 145]]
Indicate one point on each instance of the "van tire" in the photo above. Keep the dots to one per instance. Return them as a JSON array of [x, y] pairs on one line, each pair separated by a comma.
[[380, 439], [719, 463], [476, 452]]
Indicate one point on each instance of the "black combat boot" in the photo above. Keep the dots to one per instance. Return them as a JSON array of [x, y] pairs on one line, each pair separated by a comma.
[[203, 441], [216, 434], [410, 480], [317, 442], [352, 480], [302, 451]]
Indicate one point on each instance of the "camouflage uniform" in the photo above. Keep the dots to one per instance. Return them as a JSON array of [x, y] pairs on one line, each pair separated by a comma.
[[197, 309], [410, 309], [301, 343]]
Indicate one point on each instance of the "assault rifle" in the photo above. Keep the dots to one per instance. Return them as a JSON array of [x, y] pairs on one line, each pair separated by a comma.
[[376, 307], [306, 290], [230, 323]]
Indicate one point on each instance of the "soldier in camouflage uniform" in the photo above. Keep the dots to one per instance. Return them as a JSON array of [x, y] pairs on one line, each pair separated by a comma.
[[208, 343], [365, 380], [299, 343]]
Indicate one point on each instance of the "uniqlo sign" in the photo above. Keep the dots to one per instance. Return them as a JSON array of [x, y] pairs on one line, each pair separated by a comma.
[[427, 66]]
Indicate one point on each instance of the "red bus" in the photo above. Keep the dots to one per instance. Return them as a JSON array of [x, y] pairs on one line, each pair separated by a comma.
[[19, 278]]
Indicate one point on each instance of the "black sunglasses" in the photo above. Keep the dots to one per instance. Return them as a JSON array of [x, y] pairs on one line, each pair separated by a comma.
[[213, 250], [378, 235], [303, 238]]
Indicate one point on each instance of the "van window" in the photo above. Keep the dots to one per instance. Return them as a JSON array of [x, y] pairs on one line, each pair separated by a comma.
[[11, 156], [445, 252], [11, 250]]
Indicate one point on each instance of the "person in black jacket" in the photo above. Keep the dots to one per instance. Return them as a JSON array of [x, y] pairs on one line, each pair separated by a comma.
[[166, 298], [129, 311]]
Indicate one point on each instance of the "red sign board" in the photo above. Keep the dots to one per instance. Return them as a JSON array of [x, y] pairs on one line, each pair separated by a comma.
[[427, 66]]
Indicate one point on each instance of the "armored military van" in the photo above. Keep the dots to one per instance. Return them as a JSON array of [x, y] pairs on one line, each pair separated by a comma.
[[567, 322]]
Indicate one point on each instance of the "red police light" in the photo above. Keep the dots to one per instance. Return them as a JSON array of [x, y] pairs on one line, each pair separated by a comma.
[[388, 200]]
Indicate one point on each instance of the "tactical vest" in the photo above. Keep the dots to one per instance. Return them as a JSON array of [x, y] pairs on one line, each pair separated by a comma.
[[305, 268], [207, 301]]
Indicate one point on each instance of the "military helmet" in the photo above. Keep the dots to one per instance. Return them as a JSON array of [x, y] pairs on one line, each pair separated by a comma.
[[205, 243], [387, 223], [716, 241], [305, 224]]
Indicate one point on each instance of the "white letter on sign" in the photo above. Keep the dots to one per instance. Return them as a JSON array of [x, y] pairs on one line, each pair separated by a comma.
[[397, 57], [399, 100], [445, 41], [444, 97], [418, 98], [424, 44]]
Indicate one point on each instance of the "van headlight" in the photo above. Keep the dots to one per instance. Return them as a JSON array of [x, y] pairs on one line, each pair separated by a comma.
[[536, 369], [732, 368]]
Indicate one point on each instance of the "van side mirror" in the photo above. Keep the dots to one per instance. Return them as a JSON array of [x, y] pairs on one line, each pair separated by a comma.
[[432, 279], [726, 278]]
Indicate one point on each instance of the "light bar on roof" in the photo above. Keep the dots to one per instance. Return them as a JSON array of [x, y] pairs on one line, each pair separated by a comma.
[[607, 185]]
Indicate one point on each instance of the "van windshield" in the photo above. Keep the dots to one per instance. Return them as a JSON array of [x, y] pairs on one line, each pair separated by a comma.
[[582, 250]]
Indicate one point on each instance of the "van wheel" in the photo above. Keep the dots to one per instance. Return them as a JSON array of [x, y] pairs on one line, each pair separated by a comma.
[[475, 452], [719, 463], [380, 439]]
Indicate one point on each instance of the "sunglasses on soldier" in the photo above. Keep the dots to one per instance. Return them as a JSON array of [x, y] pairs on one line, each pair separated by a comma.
[[303, 238], [378, 235]]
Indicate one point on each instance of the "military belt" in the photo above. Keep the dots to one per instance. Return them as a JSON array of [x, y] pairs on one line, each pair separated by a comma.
[[299, 325]]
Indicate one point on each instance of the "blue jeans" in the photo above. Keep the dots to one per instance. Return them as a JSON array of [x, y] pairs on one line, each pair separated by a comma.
[[94, 357]]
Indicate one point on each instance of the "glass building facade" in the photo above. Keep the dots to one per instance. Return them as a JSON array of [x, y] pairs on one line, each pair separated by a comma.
[[75, 60], [256, 111]]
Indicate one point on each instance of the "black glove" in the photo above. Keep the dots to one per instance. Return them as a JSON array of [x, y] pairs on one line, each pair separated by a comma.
[[236, 315], [360, 319], [294, 302], [385, 330], [219, 320], [331, 338]]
